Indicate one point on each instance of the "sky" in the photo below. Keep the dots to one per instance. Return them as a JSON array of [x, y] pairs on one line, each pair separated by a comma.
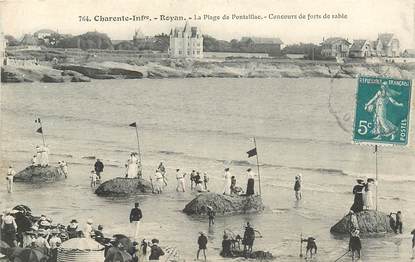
[[365, 18]]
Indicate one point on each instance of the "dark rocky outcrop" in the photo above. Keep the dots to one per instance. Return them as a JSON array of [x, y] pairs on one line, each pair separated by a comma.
[[121, 186], [370, 222], [259, 255], [223, 204], [34, 174]]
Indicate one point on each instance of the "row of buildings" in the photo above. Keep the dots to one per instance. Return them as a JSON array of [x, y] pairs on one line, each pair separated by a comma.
[[386, 45]]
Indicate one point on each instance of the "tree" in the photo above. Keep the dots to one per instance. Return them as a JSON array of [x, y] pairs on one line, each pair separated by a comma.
[[11, 41]]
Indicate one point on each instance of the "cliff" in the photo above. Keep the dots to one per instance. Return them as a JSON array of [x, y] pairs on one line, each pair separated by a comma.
[[224, 204], [121, 186], [370, 222], [35, 174]]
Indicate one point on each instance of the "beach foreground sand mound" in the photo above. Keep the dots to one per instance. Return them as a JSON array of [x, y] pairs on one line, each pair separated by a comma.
[[123, 186], [370, 222], [223, 204], [35, 174]]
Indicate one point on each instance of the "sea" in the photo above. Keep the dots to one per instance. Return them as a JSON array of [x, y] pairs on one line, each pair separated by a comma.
[[301, 126]]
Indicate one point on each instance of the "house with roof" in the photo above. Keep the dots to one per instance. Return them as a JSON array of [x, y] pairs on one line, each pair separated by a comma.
[[386, 45], [186, 42], [335, 47], [269, 45], [361, 48]]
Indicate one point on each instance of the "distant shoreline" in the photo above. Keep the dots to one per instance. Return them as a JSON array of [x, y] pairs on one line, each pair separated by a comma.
[[127, 66]]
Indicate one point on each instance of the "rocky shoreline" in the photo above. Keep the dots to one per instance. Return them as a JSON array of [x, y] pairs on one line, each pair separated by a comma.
[[169, 68]]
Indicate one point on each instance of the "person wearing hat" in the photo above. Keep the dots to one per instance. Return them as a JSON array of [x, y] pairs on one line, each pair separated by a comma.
[[94, 178], [355, 244], [202, 242], [38, 155], [88, 229], [34, 160], [72, 229], [156, 252], [248, 240], [192, 179], [181, 183], [250, 185], [54, 243], [135, 216], [368, 194], [226, 246], [99, 168], [9, 228], [205, 181], [41, 242], [134, 251], [10, 175], [297, 187], [162, 171], [211, 215], [64, 168], [99, 235], [227, 182], [358, 196]]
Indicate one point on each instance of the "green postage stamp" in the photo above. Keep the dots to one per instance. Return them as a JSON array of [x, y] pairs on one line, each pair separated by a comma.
[[382, 111]]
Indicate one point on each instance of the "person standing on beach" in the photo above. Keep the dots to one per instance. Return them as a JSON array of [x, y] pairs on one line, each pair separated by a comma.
[[248, 240], [250, 185], [358, 196], [38, 155], [10, 176], [211, 215], [202, 242], [135, 216], [227, 182], [368, 196], [162, 170], [99, 168], [399, 223], [181, 186], [355, 244], [158, 184], [205, 180], [94, 178], [192, 179], [34, 160], [9, 228], [156, 251], [88, 230], [297, 187], [44, 160]]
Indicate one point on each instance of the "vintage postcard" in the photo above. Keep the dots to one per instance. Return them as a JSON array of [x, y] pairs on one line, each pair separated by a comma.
[[187, 130]]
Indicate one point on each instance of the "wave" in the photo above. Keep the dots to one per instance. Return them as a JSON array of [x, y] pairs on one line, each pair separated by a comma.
[[166, 152], [89, 157], [64, 155]]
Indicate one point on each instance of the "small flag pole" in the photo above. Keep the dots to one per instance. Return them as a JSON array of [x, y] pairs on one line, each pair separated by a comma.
[[376, 170], [138, 144], [41, 129], [257, 163]]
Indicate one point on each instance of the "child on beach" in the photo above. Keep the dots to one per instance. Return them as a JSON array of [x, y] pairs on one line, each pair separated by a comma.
[[211, 214], [94, 178]]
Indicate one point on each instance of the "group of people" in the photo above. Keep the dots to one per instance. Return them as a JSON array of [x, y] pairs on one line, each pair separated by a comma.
[[63, 168], [41, 157], [230, 187], [363, 195], [229, 243]]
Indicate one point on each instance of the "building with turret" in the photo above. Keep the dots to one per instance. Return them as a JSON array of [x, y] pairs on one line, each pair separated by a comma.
[[186, 42]]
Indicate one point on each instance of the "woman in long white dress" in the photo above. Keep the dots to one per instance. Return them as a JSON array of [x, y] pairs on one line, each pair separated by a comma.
[[368, 196], [132, 169], [227, 186]]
